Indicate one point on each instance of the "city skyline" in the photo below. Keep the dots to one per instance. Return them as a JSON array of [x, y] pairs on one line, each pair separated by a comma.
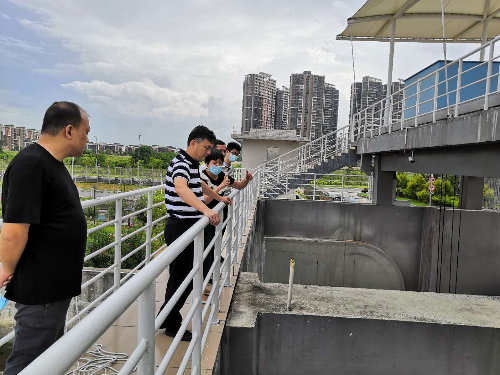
[[309, 106]]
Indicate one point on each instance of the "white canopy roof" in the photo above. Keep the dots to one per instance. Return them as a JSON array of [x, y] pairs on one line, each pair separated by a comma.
[[420, 21]]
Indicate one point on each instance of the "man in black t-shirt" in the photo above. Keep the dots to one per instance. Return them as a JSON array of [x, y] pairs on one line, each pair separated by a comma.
[[44, 234]]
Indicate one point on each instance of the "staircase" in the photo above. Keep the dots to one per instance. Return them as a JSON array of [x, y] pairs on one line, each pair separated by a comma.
[[324, 155]]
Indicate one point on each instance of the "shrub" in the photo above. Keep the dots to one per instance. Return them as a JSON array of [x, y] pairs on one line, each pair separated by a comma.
[[416, 185]]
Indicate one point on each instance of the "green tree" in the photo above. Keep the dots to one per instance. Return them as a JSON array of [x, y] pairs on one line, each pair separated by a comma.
[[416, 185], [155, 163], [403, 179], [143, 153]]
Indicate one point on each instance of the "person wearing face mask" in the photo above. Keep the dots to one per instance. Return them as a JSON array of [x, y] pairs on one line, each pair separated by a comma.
[[233, 151], [221, 183]]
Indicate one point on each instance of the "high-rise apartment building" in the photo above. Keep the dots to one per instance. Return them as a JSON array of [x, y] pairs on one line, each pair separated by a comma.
[[397, 100], [331, 108], [282, 107], [307, 102], [259, 97], [370, 91], [355, 105]]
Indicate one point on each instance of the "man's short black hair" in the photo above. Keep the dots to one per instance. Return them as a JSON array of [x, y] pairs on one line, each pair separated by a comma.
[[200, 133], [233, 146], [214, 155], [219, 142], [61, 114]]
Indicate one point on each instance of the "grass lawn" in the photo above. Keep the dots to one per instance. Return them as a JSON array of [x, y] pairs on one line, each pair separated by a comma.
[[108, 187]]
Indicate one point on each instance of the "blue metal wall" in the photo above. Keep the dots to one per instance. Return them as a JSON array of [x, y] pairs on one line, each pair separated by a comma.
[[427, 86]]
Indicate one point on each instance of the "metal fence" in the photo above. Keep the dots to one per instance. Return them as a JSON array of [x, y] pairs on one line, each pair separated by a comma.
[[330, 187], [104, 311], [457, 87]]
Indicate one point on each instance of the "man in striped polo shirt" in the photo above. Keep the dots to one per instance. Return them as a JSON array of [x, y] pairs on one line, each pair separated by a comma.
[[185, 205]]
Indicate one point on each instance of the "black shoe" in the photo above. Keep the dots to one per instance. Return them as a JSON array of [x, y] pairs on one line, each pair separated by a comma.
[[171, 332]]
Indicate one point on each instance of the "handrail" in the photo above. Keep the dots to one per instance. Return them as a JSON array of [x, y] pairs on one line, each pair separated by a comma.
[[85, 333]]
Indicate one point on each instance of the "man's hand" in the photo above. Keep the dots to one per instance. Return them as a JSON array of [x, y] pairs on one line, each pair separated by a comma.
[[248, 176], [225, 183], [226, 200], [4, 278], [213, 216]]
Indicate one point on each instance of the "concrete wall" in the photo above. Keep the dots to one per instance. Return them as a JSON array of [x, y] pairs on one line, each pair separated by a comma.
[[254, 254], [314, 345], [330, 263], [454, 251], [461, 252], [255, 150], [395, 230]]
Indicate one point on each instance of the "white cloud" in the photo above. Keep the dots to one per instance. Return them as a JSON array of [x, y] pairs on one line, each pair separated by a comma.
[[173, 63], [5, 16], [143, 100]]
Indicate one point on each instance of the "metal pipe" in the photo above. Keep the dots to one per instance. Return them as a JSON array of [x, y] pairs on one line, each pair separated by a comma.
[[197, 297], [146, 329], [290, 285]]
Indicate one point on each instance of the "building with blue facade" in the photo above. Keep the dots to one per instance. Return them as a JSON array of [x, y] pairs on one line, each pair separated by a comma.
[[472, 86]]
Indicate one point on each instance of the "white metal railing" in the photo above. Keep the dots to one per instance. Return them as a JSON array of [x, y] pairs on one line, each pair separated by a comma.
[[114, 302], [332, 187], [457, 87], [273, 174]]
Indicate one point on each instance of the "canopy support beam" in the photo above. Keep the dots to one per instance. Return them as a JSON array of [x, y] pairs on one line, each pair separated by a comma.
[[476, 25], [389, 73], [406, 6], [485, 27]]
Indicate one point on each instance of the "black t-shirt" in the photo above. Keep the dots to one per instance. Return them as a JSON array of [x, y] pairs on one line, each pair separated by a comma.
[[212, 184], [38, 190]]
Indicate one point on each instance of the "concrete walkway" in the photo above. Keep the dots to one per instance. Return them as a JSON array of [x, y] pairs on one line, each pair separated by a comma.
[[121, 337]]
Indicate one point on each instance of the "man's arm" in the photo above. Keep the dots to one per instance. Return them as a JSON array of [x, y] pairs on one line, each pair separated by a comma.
[[243, 183], [12, 243], [212, 194], [183, 191]]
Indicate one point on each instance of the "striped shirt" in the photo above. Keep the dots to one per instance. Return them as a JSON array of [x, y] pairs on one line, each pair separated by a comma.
[[183, 166]]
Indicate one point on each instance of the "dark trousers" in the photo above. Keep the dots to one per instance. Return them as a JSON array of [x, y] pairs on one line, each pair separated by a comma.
[[37, 328], [179, 269]]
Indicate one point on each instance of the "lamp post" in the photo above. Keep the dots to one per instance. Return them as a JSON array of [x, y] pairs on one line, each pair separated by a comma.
[[138, 160], [96, 152], [97, 170]]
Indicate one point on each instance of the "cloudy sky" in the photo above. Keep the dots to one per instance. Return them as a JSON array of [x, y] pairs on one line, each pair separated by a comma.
[[161, 67]]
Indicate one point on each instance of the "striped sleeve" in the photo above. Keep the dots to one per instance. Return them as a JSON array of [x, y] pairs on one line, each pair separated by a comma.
[[181, 170]]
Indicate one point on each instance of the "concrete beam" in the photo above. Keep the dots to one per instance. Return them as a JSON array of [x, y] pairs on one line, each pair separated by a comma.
[[366, 163], [475, 128], [481, 160], [384, 185], [471, 196]]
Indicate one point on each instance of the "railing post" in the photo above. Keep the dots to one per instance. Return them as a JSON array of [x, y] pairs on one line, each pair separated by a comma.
[[390, 112], [403, 107], [197, 296], [237, 205], [146, 329], [459, 83], [229, 246], [342, 191], [314, 187], [488, 77], [241, 216], [118, 240], [435, 102], [216, 274], [417, 104], [149, 224]]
